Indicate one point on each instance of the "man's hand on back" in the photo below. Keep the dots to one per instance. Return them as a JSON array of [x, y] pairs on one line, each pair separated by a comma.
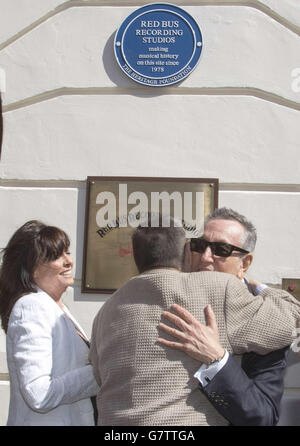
[[199, 341]]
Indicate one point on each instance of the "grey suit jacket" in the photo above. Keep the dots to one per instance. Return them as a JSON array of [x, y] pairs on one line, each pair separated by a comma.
[[134, 371]]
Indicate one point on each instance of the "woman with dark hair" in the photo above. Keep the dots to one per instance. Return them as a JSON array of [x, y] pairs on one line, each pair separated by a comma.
[[47, 353]]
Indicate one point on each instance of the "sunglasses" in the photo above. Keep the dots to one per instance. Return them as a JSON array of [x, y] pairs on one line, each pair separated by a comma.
[[219, 249]]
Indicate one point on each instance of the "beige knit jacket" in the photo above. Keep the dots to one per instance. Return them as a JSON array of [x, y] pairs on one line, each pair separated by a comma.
[[145, 383]]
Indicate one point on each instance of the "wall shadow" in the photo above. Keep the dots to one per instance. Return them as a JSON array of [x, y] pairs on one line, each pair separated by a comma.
[[120, 79]]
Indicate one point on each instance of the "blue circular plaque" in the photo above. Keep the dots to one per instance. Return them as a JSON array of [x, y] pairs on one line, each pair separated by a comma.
[[158, 45]]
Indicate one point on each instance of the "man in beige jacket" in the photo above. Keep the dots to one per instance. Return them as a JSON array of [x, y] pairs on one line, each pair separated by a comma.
[[144, 383]]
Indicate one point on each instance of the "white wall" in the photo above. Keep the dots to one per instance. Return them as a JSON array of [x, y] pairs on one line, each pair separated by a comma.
[[71, 113]]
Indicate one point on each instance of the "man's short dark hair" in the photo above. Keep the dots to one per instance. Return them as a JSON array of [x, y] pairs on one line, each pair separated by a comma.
[[155, 247], [249, 239]]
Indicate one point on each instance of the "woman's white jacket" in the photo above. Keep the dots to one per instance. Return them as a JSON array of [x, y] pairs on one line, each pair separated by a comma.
[[50, 380]]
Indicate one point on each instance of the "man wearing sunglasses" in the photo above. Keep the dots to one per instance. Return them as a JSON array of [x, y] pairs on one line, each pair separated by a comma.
[[249, 394], [143, 383]]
